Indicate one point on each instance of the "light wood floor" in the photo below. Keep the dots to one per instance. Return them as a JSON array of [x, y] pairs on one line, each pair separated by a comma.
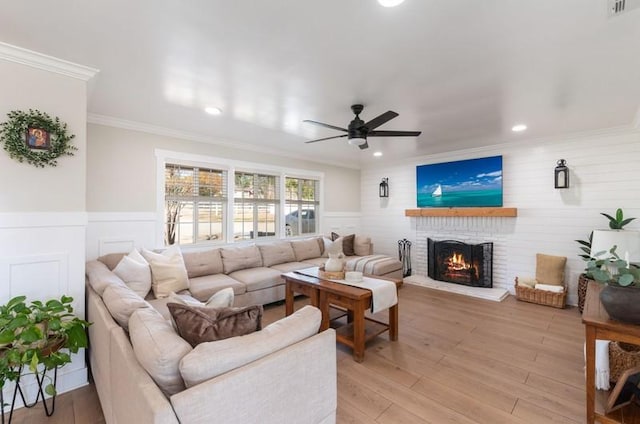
[[458, 360]]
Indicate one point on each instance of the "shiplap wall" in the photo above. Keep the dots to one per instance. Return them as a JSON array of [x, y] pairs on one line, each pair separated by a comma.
[[605, 175]]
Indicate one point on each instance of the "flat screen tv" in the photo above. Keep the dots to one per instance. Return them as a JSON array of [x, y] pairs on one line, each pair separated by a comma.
[[464, 183]]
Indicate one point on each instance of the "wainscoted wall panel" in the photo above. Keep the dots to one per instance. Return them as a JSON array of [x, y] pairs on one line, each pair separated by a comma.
[[120, 232], [42, 256], [111, 232], [114, 245], [35, 276], [603, 170]]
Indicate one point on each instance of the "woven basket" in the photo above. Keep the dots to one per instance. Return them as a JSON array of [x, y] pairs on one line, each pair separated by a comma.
[[330, 275], [541, 297], [583, 282], [622, 356]]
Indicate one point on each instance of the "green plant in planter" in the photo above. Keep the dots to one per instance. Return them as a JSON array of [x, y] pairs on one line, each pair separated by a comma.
[[34, 334], [585, 247], [612, 270], [618, 222], [615, 223]]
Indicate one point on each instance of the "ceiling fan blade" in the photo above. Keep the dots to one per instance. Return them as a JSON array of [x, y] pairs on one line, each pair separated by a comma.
[[333, 127], [379, 120], [326, 138], [364, 146], [393, 133]]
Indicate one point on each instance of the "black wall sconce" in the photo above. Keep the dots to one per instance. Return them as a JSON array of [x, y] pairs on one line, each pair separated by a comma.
[[561, 174], [384, 188]]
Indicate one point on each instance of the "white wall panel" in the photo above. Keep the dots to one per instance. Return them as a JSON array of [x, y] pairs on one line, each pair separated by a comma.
[[116, 232], [42, 257]]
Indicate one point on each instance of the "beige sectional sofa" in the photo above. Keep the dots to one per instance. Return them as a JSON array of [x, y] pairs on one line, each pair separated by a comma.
[[254, 271], [144, 371]]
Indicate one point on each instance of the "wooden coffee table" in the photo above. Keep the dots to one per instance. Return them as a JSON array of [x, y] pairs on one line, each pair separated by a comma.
[[354, 300]]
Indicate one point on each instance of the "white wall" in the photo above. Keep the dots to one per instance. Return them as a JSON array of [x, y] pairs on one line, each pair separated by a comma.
[[42, 210], [604, 177], [25, 187], [121, 195]]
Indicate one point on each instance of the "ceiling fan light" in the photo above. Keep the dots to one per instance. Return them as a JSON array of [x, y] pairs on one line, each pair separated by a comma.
[[357, 141]]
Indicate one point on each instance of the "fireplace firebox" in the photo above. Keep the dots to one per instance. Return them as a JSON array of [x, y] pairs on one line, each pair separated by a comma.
[[461, 263]]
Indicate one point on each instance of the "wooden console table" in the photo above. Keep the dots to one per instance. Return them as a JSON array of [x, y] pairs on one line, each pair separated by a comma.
[[598, 325]]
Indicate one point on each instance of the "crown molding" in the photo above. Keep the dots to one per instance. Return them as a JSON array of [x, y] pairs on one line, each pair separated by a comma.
[[110, 121], [37, 60]]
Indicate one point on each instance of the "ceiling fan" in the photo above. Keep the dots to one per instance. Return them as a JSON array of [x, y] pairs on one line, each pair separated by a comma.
[[358, 130]]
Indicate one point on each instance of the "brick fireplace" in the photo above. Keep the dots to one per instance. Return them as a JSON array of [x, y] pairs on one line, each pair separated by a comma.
[[470, 230]]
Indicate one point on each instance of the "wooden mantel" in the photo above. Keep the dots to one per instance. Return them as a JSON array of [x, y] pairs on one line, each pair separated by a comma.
[[463, 212]]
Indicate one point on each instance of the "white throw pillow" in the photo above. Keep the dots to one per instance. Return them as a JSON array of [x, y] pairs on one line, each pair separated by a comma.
[[134, 270], [220, 299], [333, 247], [168, 272], [170, 276], [326, 243], [164, 256]]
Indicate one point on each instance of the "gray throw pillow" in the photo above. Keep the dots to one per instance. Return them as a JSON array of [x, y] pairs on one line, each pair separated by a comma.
[[197, 324]]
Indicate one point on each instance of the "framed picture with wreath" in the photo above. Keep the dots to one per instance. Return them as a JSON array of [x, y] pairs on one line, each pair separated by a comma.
[[35, 138]]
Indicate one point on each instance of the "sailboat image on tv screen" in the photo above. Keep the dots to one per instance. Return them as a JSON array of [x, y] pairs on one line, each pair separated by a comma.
[[466, 183]]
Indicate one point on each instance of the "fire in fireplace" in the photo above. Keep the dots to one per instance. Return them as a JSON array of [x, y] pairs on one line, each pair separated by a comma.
[[457, 262]]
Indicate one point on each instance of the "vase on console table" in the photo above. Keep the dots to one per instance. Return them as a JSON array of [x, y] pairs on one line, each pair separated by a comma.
[[621, 303]]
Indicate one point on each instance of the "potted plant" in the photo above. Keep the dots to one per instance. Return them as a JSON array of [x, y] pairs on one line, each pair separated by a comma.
[[38, 337], [618, 222], [621, 295], [611, 237]]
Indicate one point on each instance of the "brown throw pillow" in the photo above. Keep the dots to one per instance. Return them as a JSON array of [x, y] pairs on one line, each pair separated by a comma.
[[198, 324], [550, 269], [347, 243]]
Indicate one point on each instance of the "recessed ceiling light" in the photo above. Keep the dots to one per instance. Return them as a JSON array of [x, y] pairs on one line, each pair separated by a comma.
[[212, 110], [519, 128], [377, 154], [390, 3]]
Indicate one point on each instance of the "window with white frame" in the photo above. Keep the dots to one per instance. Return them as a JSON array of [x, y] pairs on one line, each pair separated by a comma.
[[301, 206], [203, 199], [256, 205], [195, 204]]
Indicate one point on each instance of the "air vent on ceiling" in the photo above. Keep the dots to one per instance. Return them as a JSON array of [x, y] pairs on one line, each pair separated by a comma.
[[619, 7]]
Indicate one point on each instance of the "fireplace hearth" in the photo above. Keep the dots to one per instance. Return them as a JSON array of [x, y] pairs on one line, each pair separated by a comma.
[[461, 263]]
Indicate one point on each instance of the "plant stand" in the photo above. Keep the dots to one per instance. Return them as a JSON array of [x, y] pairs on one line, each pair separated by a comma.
[[41, 377]]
